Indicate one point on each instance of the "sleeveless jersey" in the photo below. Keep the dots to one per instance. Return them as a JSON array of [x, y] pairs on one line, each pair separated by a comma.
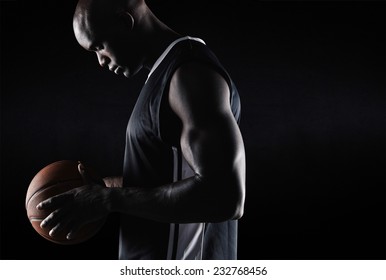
[[153, 158]]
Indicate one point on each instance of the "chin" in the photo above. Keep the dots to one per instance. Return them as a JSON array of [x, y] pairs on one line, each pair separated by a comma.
[[130, 74], [126, 72]]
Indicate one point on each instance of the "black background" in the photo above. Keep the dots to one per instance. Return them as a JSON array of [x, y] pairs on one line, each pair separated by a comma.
[[312, 81]]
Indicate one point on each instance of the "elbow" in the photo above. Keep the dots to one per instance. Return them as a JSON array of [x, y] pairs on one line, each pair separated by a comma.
[[228, 210], [235, 208], [231, 206], [235, 199], [238, 213], [224, 199]]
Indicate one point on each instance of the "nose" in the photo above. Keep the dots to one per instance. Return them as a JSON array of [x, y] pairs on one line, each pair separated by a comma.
[[103, 60]]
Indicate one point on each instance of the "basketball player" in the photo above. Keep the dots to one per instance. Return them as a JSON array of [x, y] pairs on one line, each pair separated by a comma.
[[183, 184]]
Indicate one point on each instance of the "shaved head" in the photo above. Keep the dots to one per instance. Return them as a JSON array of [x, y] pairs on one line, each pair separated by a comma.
[[95, 8], [124, 34], [106, 28], [91, 12]]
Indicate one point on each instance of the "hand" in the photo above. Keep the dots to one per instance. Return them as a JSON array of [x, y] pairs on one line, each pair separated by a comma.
[[77, 207]]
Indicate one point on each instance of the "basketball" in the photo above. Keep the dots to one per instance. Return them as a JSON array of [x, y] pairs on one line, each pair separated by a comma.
[[56, 178]]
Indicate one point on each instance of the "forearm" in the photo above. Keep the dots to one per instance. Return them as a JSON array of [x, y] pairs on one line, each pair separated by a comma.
[[185, 201]]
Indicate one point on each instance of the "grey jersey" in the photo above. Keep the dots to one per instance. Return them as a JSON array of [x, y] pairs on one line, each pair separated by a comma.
[[153, 158]]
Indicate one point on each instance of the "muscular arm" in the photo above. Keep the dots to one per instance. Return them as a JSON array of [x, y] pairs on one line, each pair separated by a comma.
[[211, 143]]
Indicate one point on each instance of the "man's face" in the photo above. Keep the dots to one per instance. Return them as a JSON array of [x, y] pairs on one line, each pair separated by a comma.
[[113, 43]]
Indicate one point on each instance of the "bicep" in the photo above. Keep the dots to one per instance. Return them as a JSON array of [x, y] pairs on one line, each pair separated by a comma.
[[210, 140], [214, 148]]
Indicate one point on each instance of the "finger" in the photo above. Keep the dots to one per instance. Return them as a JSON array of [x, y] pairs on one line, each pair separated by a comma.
[[52, 219], [59, 227], [53, 202], [82, 172], [73, 232]]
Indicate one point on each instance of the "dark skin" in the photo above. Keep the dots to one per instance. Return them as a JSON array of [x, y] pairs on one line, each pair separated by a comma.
[[210, 140]]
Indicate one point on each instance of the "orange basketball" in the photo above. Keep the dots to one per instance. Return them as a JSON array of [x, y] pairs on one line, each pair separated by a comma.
[[55, 178]]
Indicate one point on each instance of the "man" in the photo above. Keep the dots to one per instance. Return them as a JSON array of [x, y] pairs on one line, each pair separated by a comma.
[[183, 184]]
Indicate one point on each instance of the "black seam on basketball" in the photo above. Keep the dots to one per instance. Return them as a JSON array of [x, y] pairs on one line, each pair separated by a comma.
[[49, 185]]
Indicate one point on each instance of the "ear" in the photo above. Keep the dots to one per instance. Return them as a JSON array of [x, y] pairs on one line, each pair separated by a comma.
[[127, 19]]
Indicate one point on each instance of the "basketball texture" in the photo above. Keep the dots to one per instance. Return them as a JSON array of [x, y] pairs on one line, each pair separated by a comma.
[[56, 178]]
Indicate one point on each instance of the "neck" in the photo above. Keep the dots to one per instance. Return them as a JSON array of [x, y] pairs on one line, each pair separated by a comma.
[[160, 37]]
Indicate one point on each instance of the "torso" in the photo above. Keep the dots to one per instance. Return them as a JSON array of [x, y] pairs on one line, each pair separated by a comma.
[[153, 158]]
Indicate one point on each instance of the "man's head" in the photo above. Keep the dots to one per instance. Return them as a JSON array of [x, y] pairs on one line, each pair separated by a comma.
[[108, 28]]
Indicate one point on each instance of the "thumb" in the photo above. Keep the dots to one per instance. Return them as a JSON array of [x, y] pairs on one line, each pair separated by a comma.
[[84, 173], [89, 176]]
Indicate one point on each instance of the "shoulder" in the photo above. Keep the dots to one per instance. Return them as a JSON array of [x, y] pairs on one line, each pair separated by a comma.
[[197, 87], [198, 79]]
